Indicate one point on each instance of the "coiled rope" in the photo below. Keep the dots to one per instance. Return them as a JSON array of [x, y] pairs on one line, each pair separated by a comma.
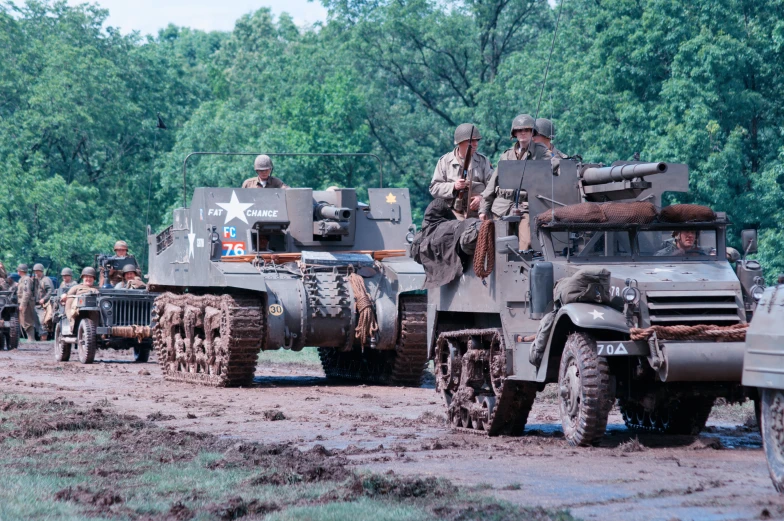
[[366, 316], [484, 258], [733, 333]]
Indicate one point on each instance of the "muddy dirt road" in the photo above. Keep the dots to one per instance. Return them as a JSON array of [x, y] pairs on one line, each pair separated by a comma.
[[720, 475]]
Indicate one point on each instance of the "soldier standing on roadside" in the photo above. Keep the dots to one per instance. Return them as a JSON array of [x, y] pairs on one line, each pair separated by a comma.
[[44, 291], [498, 202], [447, 180], [26, 290], [264, 179], [131, 279]]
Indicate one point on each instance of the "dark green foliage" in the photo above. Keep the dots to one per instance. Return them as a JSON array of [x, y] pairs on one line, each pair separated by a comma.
[[695, 82]]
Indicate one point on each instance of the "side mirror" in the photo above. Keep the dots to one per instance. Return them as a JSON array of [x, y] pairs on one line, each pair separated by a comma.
[[504, 244], [748, 238]]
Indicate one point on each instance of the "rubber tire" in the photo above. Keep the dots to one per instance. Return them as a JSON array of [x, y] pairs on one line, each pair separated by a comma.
[[141, 354], [12, 339], [594, 398], [62, 351], [86, 341], [774, 451]]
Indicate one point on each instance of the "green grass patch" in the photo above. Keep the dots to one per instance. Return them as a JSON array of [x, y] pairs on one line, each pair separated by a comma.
[[60, 461]]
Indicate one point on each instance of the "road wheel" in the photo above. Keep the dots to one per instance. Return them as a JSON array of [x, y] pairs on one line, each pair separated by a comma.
[[12, 338], [687, 416], [62, 351], [584, 385], [773, 434], [141, 353], [86, 341]]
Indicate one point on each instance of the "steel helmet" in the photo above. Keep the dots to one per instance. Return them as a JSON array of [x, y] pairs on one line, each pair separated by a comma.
[[89, 271], [544, 127], [521, 122], [129, 268], [263, 162], [38, 267], [66, 271], [120, 244], [22, 268], [466, 131]]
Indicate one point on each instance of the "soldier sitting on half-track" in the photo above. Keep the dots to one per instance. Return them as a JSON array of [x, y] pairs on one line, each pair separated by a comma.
[[247, 270], [594, 307], [105, 317]]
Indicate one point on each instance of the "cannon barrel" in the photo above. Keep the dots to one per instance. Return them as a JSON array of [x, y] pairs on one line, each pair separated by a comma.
[[331, 212], [610, 174]]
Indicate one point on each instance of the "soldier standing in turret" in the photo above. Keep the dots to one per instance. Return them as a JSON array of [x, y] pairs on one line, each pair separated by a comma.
[[26, 289], [44, 291], [264, 178], [447, 179], [498, 202], [544, 133]]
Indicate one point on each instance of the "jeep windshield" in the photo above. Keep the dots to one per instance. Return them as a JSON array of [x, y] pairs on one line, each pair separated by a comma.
[[584, 243]]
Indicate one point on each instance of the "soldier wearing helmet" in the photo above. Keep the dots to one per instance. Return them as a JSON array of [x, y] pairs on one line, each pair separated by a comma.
[[447, 179], [497, 202], [544, 133], [115, 275], [26, 289], [44, 291], [68, 299], [264, 178], [66, 284], [131, 278]]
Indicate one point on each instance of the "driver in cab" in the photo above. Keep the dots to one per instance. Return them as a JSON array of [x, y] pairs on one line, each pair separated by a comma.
[[684, 243], [264, 178]]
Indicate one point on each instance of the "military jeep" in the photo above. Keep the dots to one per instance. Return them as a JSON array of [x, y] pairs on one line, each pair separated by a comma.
[[9, 320], [108, 319]]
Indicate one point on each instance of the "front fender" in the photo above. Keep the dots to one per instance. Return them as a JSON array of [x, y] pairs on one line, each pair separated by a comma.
[[579, 315]]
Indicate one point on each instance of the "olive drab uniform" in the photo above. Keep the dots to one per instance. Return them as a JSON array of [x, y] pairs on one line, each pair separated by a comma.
[[449, 169], [134, 283], [498, 202], [70, 300], [62, 289], [26, 289], [44, 292], [272, 182]]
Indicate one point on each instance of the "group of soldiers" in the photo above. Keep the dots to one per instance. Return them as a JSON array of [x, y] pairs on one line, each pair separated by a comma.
[[34, 293], [533, 140]]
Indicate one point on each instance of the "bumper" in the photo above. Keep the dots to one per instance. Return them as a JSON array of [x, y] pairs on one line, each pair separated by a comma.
[[702, 361]]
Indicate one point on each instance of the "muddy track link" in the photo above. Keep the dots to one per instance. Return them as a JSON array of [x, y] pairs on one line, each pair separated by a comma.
[[686, 418], [404, 366], [209, 340], [472, 378]]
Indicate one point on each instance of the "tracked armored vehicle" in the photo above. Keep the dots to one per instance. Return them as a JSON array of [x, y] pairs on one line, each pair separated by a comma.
[[763, 369], [634, 318], [9, 320], [245, 270]]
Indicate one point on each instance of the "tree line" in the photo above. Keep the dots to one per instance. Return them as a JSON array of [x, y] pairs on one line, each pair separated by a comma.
[[84, 160]]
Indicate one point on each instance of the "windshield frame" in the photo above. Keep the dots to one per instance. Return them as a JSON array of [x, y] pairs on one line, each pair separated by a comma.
[[546, 239]]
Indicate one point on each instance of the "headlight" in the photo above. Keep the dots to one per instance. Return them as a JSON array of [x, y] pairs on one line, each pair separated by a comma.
[[756, 292], [630, 295], [106, 305]]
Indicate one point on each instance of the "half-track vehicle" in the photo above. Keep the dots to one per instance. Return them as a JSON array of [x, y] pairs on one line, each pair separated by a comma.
[[9, 320], [657, 328], [109, 318], [763, 369], [245, 270]]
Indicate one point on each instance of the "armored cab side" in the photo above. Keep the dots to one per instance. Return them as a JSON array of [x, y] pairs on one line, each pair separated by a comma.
[[246, 270], [763, 368], [659, 329]]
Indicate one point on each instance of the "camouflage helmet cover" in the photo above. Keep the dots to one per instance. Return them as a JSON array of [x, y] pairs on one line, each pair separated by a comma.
[[88, 271], [22, 268], [521, 122], [466, 131], [38, 267], [120, 244], [544, 127], [129, 268], [66, 271], [263, 162]]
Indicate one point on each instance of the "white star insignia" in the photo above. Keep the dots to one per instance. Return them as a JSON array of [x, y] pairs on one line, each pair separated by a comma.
[[235, 209], [191, 237], [597, 314]]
